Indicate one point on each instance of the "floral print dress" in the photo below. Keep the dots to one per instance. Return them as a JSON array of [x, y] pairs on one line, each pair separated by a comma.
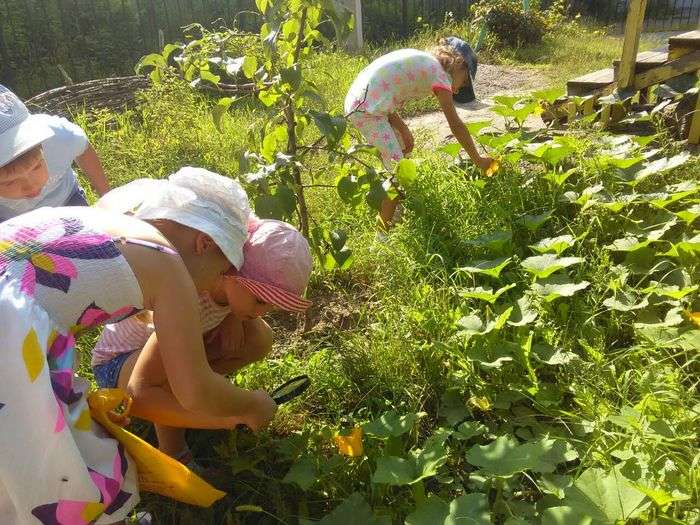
[[58, 277]]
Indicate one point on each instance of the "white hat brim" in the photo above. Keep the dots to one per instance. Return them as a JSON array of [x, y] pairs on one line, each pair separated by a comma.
[[158, 199], [21, 138]]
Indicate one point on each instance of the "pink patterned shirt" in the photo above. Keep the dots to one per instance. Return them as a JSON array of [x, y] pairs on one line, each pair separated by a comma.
[[391, 80], [132, 333]]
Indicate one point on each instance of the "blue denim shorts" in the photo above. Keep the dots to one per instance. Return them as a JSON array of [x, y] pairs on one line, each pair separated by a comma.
[[107, 374], [77, 198]]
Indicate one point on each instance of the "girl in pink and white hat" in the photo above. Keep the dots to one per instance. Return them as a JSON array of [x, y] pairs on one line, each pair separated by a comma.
[[276, 268]]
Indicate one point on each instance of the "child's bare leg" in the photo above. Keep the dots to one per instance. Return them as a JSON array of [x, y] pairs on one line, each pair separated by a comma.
[[253, 344], [171, 440], [256, 344], [143, 376], [391, 152], [150, 400], [379, 132], [386, 212]]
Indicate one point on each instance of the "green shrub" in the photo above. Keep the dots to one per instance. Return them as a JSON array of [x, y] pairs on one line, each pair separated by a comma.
[[511, 24]]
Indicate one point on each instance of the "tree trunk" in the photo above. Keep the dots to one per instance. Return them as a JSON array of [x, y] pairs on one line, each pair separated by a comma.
[[290, 117]]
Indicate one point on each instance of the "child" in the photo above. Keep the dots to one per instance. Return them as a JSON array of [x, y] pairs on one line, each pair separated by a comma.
[[67, 144], [22, 164], [276, 269], [64, 270], [447, 71]]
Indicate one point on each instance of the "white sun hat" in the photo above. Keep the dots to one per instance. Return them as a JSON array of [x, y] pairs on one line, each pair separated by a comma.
[[194, 197], [19, 131]]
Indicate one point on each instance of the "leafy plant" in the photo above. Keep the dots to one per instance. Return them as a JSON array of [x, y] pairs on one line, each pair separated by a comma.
[[523, 351], [492, 268], [281, 165], [512, 24], [543, 266]]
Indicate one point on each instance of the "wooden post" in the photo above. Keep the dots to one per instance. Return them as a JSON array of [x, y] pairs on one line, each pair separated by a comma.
[[645, 95], [694, 132], [482, 36], [630, 45], [355, 40], [6, 74]]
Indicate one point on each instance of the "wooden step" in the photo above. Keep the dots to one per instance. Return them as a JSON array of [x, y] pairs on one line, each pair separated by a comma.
[[592, 81], [683, 44], [646, 60]]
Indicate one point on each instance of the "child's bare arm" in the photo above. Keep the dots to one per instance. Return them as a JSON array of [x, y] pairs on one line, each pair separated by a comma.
[[170, 293], [459, 130], [90, 163]]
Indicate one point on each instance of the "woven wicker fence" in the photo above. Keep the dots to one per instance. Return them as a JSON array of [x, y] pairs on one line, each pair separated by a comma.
[[104, 93]]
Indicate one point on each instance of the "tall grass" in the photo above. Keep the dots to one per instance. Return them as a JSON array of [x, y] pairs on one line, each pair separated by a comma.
[[384, 336]]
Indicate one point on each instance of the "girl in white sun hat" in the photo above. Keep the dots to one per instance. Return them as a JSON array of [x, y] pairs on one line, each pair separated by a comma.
[[65, 270], [275, 272], [447, 72]]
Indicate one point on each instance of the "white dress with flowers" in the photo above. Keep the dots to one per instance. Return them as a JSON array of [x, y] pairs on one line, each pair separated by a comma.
[[58, 277]]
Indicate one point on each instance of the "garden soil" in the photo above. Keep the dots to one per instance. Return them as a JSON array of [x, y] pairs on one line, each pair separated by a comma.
[[490, 81]]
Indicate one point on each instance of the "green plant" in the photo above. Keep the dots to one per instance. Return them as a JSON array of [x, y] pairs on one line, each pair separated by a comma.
[[521, 351], [511, 24], [285, 158], [212, 57]]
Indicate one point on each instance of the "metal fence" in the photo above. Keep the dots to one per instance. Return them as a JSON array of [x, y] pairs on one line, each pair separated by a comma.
[[660, 15], [98, 38]]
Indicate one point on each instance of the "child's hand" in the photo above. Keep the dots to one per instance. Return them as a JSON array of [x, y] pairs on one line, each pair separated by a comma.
[[261, 410], [484, 163]]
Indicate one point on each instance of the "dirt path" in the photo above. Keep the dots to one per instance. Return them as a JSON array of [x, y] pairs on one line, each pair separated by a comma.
[[490, 81]]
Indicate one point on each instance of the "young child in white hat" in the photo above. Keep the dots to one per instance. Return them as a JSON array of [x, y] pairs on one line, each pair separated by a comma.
[[23, 171], [62, 144]]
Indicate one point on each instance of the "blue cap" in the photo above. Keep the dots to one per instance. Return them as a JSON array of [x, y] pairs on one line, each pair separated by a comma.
[[466, 94]]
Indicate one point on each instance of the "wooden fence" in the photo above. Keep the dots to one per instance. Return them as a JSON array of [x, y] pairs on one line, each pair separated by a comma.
[[103, 38]]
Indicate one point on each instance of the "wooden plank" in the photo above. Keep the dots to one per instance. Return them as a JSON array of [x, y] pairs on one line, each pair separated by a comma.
[[694, 132], [683, 44], [647, 60], [690, 40], [588, 107], [583, 85], [678, 52], [630, 45], [685, 64]]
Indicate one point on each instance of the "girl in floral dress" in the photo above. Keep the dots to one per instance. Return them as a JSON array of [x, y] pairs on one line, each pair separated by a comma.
[[447, 72], [64, 270]]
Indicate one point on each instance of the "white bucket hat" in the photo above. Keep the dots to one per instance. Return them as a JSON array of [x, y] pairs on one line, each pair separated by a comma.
[[194, 197], [19, 131]]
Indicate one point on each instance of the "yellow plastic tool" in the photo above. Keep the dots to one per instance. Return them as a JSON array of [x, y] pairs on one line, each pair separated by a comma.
[[158, 472]]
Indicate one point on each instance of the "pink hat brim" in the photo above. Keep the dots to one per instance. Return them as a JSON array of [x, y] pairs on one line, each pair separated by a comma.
[[274, 295]]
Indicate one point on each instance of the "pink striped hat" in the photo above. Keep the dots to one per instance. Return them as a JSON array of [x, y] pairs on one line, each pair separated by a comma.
[[276, 264]]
